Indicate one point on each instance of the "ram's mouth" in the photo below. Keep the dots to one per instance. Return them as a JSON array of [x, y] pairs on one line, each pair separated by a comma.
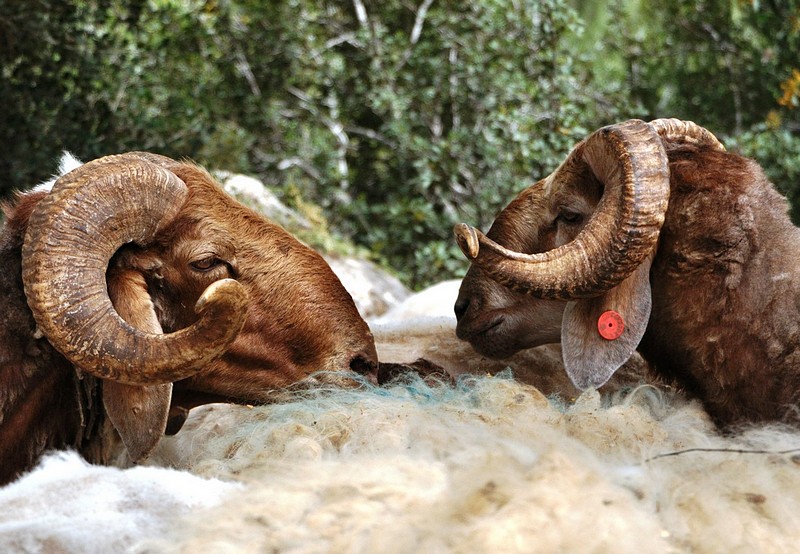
[[365, 366], [490, 336], [480, 328], [491, 326]]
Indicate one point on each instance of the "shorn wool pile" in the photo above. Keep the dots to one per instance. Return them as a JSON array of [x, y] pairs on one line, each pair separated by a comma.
[[487, 465]]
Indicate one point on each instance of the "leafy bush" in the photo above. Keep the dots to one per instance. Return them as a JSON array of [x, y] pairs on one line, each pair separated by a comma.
[[397, 118], [402, 121]]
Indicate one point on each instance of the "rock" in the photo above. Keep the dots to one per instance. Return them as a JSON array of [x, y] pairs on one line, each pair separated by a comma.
[[373, 289], [435, 301], [252, 193]]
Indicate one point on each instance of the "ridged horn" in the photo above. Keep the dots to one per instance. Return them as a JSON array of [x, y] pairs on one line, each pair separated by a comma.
[[71, 236], [675, 130], [630, 160]]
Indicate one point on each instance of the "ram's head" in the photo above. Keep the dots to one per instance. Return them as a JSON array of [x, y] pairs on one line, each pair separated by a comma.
[[568, 260], [140, 270]]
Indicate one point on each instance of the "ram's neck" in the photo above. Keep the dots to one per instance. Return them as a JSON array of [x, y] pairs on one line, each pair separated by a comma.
[[37, 418], [43, 403], [726, 313]]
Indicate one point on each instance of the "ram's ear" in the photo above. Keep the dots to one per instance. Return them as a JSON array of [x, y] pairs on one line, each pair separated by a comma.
[[599, 334], [139, 414]]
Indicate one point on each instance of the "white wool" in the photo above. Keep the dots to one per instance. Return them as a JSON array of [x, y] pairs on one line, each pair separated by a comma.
[[492, 466], [67, 505], [67, 163]]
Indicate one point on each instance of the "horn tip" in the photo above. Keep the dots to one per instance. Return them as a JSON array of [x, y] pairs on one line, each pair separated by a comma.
[[467, 239], [224, 291]]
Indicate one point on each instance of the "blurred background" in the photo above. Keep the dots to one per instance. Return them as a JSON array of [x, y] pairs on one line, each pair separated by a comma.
[[387, 121]]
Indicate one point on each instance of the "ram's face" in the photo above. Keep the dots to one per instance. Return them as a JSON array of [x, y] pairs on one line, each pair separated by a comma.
[[300, 319], [497, 320]]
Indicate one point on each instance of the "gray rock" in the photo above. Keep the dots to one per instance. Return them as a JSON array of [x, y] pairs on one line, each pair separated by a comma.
[[252, 193], [373, 289]]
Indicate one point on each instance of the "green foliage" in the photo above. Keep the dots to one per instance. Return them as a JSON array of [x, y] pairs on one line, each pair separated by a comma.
[[422, 122], [40, 64], [778, 152], [717, 62], [396, 118]]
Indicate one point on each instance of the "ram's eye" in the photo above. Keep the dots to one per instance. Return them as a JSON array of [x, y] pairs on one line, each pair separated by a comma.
[[206, 263], [570, 217]]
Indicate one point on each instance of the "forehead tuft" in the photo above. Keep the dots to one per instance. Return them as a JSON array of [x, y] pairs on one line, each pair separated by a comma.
[[67, 163]]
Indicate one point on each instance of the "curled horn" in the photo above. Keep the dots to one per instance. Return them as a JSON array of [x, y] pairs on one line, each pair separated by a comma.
[[71, 236], [629, 158]]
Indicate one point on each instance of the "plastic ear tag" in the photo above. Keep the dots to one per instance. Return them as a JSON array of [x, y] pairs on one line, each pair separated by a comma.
[[610, 325]]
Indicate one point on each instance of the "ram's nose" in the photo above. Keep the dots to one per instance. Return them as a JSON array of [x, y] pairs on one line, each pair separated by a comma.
[[461, 307]]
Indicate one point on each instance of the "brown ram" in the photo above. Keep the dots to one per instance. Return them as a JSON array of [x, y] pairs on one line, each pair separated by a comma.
[[137, 272], [647, 236]]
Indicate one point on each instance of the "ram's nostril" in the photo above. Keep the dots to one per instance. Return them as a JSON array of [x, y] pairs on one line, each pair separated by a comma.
[[462, 304], [363, 365]]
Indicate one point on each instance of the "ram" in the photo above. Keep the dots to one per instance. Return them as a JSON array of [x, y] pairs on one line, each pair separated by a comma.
[[648, 236], [137, 289]]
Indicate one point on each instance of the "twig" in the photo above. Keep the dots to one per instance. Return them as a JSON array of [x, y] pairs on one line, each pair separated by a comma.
[[361, 13], [244, 68], [419, 20], [728, 450], [369, 133]]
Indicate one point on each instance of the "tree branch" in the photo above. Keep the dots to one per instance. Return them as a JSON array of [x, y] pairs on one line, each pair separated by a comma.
[[419, 20], [416, 31]]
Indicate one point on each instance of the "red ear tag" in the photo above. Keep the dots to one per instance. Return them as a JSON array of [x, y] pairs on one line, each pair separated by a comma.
[[610, 325]]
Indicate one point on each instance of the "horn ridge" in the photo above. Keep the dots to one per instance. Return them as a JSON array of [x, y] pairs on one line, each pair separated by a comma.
[[686, 132]]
